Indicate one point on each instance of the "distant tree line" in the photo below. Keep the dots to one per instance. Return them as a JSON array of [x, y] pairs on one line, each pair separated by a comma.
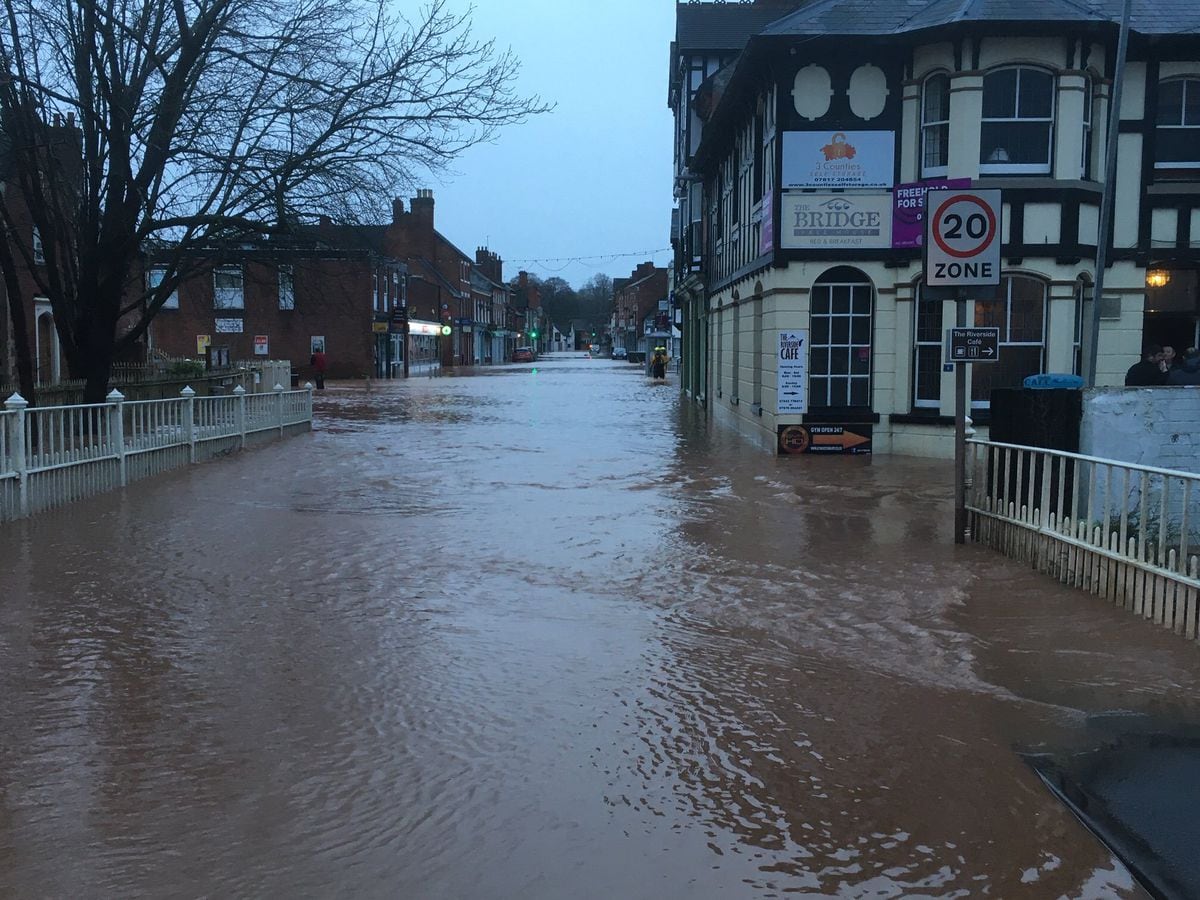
[[592, 302], [185, 126]]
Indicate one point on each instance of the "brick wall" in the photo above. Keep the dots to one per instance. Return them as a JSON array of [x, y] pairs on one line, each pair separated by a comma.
[[333, 300]]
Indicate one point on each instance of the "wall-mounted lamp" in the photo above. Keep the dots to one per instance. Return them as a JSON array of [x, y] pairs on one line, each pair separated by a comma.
[[1157, 278]]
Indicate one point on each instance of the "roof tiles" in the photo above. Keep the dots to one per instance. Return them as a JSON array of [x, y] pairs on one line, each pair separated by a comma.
[[1160, 17]]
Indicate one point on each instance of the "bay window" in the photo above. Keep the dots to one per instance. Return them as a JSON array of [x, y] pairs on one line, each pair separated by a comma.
[[935, 125], [1017, 129], [927, 352], [1177, 131], [1019, 311]]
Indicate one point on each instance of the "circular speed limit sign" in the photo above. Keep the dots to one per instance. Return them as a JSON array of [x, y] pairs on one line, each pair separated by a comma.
[[963, 240]]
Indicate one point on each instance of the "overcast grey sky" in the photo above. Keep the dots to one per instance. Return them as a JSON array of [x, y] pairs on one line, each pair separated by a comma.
[[593, 176]]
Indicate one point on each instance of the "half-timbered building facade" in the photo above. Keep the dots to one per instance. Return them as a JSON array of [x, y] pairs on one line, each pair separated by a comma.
[[800, 204]]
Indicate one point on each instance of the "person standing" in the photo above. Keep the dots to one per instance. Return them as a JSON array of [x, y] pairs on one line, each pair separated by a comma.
[[1148, 372], [319, 364], [658, 366], [1169, 360], [1188, 370]]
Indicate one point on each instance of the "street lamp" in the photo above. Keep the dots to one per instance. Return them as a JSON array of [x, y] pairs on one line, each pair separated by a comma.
[[1157, 278]]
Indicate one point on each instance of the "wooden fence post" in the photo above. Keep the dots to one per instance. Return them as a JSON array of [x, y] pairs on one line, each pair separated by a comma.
[[16, 444], [116, 429]]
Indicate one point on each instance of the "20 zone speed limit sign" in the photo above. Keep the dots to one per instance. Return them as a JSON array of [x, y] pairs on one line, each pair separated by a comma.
[[962, 240]]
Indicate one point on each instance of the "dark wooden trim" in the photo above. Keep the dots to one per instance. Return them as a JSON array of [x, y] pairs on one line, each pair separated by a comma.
[[1016, 221], [839, 415], [1183, 231], [916, 418], [1068, 233], [758, 265], [1151, 104]]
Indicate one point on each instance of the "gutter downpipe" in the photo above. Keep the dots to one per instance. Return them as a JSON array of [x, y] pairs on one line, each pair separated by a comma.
[[1108, 201]]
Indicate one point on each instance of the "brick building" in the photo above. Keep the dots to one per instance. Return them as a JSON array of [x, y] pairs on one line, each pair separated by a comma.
[[279, 301], [640, 297]]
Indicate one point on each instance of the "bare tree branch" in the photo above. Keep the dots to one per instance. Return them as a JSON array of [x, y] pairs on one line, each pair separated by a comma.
[[140, 123]]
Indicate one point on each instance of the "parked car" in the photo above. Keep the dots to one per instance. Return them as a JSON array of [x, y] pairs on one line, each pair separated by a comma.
[[523, 354], [620, 353]]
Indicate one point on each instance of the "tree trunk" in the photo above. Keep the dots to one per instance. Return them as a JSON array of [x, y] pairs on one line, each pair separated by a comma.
[[96, 355]]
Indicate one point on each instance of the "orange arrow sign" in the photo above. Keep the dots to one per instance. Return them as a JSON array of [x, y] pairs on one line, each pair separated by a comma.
[[846, 440]]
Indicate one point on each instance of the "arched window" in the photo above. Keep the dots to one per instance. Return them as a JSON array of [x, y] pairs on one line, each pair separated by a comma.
[[1017, 130], [1019, 311], [1177, 132], [843, 301], [935, 125]]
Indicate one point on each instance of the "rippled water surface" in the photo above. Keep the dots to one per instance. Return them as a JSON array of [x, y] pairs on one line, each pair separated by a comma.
[[541, 634]]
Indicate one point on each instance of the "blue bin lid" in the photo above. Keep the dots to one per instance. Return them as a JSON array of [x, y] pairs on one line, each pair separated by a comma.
[[1052, 380]]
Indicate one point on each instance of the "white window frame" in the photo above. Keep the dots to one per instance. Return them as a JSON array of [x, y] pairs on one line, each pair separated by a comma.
[[1190, 83], [154, 277], [39, 250], [919, 344], [1089, 102], [1006, 329], [850, 347], [940, 171], [229, 297], [287, 288], [1012, 168]]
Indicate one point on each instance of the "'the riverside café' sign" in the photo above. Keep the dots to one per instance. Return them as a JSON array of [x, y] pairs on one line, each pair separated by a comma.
[[829, 221]]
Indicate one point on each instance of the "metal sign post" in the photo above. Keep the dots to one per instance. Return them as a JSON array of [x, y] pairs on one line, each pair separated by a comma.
[[962, 250]]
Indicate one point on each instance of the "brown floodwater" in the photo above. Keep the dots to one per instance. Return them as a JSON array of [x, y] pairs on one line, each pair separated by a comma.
[[545, 633]]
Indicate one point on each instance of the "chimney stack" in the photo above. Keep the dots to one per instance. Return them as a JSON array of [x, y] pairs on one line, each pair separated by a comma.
[[397, 210], [489, 264], [422, 209]]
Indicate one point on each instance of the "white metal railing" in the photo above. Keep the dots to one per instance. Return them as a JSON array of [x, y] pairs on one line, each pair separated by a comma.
[[1128, 532], [53, 455]]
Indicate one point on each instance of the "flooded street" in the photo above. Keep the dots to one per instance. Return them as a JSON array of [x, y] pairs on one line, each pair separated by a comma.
[[544, 633]]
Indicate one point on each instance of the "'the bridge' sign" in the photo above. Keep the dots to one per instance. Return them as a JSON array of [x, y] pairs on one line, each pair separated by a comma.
[[962, 240]]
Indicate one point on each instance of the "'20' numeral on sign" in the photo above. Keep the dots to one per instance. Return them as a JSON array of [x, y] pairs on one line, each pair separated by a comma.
[[976, 223]]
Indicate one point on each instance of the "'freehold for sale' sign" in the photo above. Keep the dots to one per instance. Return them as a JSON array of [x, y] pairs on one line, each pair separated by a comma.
[[852, 221], [908, 212]]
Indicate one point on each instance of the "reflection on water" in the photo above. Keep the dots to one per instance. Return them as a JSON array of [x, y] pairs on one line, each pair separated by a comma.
[[544, 634]]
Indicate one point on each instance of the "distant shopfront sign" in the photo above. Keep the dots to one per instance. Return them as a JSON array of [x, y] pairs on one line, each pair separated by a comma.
[[836, 221], [908, 209], [840, 159]]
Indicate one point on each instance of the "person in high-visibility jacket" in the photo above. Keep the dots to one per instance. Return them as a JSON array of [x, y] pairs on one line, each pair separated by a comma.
[[658, 365]]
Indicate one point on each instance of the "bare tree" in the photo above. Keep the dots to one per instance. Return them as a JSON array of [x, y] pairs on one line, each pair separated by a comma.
[[185, 125]]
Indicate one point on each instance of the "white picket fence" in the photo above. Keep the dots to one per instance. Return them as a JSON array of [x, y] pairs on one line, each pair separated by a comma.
[[1126, 532], [53, 455]]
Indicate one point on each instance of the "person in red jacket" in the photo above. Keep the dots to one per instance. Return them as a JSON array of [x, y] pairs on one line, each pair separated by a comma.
[[319, 363]]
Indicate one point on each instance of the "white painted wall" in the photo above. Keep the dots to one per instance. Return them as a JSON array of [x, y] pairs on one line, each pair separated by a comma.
[[1148, 426]]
